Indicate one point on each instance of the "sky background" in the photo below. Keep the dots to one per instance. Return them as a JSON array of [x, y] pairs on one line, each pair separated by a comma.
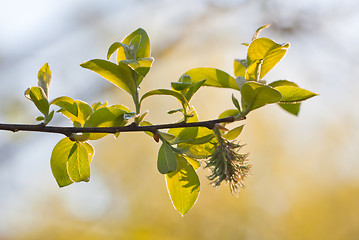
[[304, 182]]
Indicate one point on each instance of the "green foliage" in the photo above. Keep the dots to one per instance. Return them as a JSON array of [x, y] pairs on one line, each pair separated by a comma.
[[183, 186], [183, 149]]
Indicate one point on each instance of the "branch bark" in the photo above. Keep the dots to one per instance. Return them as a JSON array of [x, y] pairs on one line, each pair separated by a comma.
[[133, 127]]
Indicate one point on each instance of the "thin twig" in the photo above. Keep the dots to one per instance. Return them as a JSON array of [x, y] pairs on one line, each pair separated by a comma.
[[133, 127]]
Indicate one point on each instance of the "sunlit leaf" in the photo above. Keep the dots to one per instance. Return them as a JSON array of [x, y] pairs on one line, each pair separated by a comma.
[[293, 108], [123, 51], [240, 66], [185, 134], [120, 75], [167, 92], [67, 104], [141, 66], [193, 89], [166, 161], [229, 113], [59, 159], [49, 117], [78, 166], [144, 48], [234, 133], [257, 95], [38, 97], [256, 34], [214, 77], [83, 109], [183, 186], [90, 150], [98, 105], [294, 94], [267, 50], [105, 117], [44, 77], [194, 162]]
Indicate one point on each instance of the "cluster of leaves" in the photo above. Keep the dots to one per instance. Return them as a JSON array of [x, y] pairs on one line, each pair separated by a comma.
[[183, 150]]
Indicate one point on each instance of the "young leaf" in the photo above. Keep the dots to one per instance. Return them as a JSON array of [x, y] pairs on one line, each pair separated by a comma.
[[141, 66], [291, 108], [236, 103], [166, 161], [144, 48], [48, 117], [120, 75], [240, 66], [268, 51], [177, 95], [98, 105], [185, 134], [38, 97], [294, 94], [105, 117], [229, 113], [59, 159], [67, 104], [193, 89], [44, 77], [183, 186], [83, 109], [90, 150], [234, 133], [255, 36], [214, 77], [78, 165], [257, 95]]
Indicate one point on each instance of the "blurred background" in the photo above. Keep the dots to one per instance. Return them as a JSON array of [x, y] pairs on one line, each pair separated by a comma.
[[305, 181]]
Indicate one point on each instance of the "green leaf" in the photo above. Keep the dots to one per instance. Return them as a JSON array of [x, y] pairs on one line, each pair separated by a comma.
[[294, 94], [49, 117], [98, 105], [240, 66], [120, 75], [193, 89], [166, 161], [177, 95], [194, 162], [236, 103], [234, 133], [141, 66], [105, 117], [257, 95], [44, 77], [58, 161], [78, 165], [229, 113], [90, 150], [83, 111], [291, 108], [67, 104], [38, 97], [268, 51], [183, 186], [214, 77], [185, 134], [282, 83], [144, 48]]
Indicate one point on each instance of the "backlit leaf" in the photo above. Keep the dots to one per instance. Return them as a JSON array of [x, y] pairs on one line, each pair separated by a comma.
[[177, 95], [38, 97], [267, 50], [229, 113], [44, 77], [67, 104], [78, 166], [59, 159], [144, 48], [183, 186], [105, 117], [120, 75], [294, 94], [234, 133], [257, 95], [240, 66], [214, 77], [83, 111], [166, 161]]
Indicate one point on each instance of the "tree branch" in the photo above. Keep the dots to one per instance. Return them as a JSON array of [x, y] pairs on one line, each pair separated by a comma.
[[133, 127]]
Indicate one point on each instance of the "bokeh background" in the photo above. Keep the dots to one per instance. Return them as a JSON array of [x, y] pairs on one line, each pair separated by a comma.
[[305, 181]]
